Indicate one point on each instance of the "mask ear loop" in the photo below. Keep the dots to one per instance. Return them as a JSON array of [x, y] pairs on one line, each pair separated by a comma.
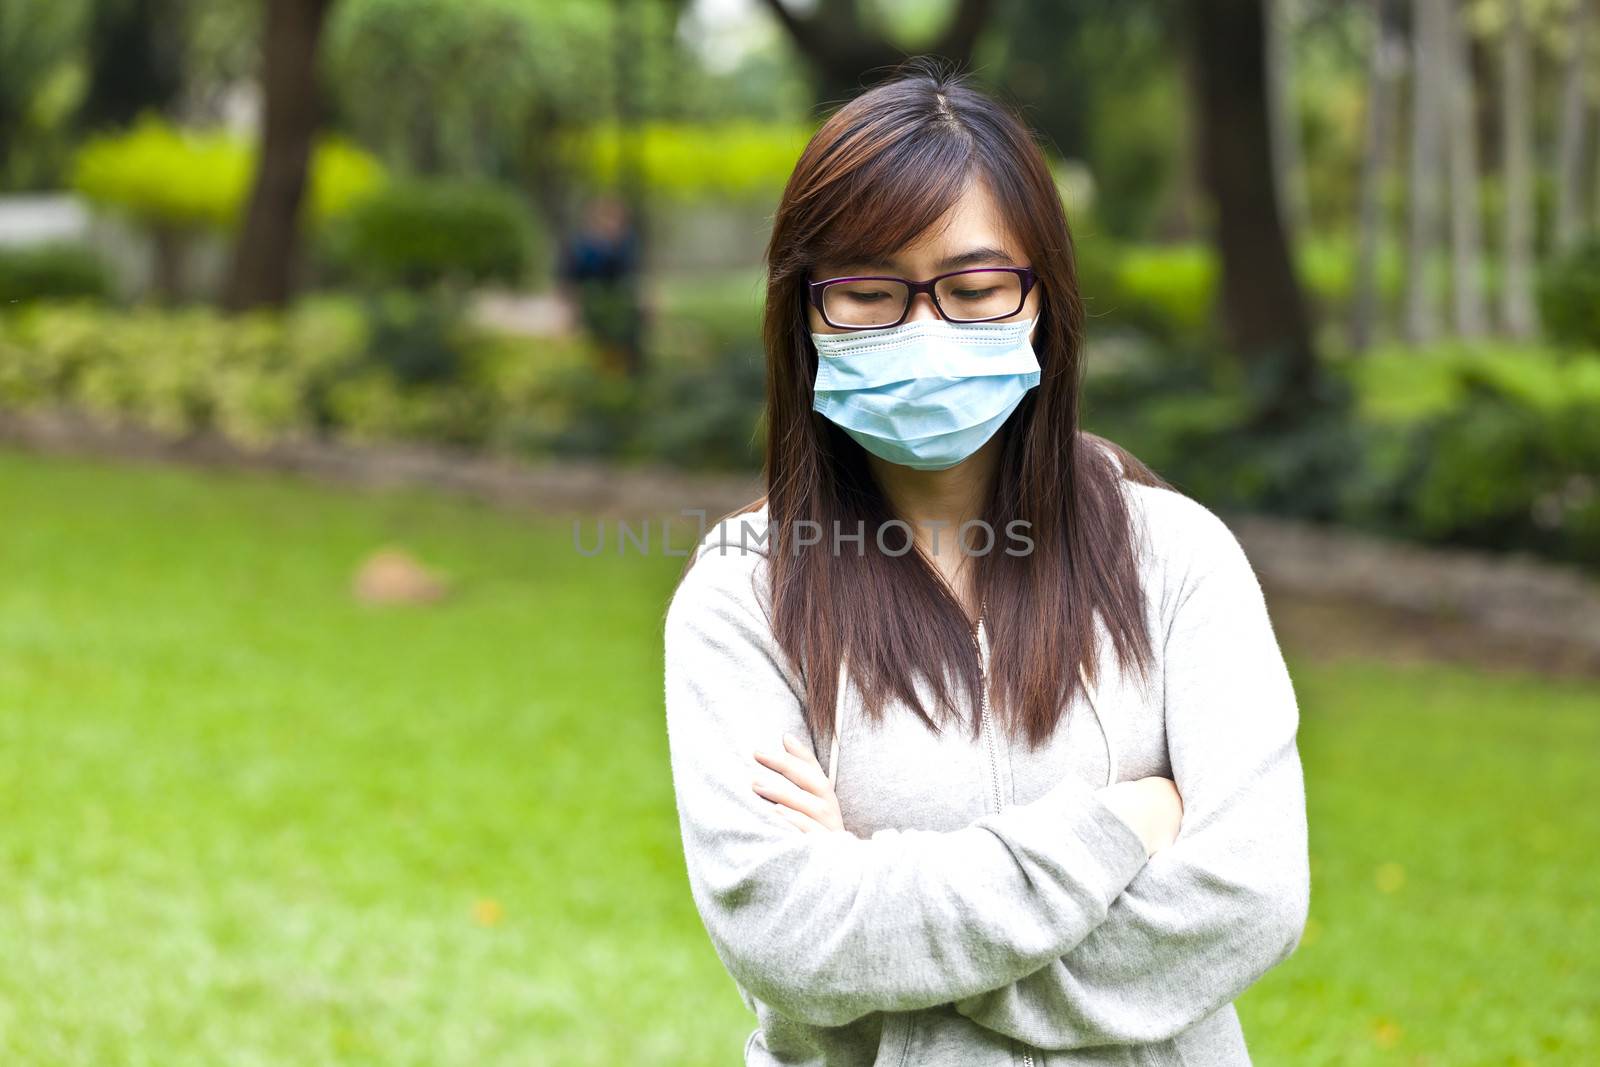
[[1100, 720]]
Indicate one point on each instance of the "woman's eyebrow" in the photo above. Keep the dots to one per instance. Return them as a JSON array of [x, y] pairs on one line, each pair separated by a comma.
[[974, 257], [970, 258]]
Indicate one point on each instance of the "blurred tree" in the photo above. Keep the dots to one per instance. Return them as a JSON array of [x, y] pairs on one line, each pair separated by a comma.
[[1516, 288], [483, 88], [1466, 239], [840, 44], [1283, 18], [1567, 221], [1428, 85], [624, 241], [39, 40], [1264, 308], [443, 86], [1099, 82], [1386, 63], [263, 258], [136, 57]]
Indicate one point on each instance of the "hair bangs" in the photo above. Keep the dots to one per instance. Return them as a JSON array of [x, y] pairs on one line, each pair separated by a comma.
[[895, 198]]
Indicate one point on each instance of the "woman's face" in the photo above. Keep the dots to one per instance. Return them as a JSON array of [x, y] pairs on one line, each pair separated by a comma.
[[976, 236]]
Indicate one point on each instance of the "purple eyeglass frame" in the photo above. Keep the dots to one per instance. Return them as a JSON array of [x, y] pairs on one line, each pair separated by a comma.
[[815, 289]]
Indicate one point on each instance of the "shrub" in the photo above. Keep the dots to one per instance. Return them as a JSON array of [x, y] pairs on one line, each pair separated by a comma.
[[166, 177], [1504, 473], [55, 271], [1569, 296], [1166, 289], [1494, 446], [742, 161], [704, 415], [421, 233], [252, 378]]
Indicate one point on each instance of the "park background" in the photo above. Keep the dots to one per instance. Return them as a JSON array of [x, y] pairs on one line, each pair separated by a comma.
[[325, 323]]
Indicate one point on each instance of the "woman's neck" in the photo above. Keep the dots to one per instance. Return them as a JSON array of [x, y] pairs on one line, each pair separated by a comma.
[[937, 503]]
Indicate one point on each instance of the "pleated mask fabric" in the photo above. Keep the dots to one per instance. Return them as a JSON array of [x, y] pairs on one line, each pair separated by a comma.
[[924, 394]]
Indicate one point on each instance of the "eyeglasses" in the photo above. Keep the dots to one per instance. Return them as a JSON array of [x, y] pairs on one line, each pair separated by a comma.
[[982, 294]]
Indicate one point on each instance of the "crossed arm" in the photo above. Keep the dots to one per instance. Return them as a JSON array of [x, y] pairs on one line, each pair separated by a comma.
[[1227, 901], [827, 928], [1044, 921]]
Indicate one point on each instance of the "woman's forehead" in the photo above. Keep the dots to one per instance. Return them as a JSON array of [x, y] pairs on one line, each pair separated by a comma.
[[972, 233]]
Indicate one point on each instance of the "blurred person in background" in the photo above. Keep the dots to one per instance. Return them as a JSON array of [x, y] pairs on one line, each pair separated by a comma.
[[600, 272]]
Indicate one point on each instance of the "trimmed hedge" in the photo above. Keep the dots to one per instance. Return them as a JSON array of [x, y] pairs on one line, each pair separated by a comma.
[[1491, 446], [52, 272], [1483, 445], [419, 233]]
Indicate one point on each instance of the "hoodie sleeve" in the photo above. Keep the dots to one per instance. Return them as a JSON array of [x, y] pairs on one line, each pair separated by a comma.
[[1227, 901], [827, 928]]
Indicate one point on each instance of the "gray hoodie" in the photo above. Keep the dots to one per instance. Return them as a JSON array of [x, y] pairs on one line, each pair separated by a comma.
[[986, 907]]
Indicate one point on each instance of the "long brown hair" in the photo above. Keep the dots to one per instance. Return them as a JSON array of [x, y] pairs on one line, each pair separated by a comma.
[[878, 173]]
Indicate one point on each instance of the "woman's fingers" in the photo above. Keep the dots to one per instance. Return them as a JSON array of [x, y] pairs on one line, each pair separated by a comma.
[[798, 786], [797, 765], [804, 822], [776, 787], [794, 747]]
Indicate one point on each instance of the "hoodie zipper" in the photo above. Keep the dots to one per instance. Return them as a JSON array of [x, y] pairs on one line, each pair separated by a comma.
[[986, 726]]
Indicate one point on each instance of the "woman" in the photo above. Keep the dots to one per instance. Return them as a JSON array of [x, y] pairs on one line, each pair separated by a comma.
[[1026, 656]]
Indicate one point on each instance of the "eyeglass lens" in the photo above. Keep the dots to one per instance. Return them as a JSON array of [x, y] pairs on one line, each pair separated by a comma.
[[961, 297]]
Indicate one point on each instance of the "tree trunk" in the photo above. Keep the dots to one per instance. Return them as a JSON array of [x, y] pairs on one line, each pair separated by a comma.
[[1517, 307], [1429, 56], [1466, 238], [1287, 157], [169, 274], [1387, 62], [264, 255], [1264, 310], [843, 52], [1596, 205], [628, 43], [1568, 221]]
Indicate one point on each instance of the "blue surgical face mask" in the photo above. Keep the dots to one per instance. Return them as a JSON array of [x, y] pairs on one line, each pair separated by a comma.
[[925, 394]]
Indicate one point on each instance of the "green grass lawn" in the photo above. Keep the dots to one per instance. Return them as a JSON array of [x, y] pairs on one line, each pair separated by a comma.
[[250, 821]]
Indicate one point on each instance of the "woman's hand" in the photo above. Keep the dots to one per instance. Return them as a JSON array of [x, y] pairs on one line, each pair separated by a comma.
[[1151, 806], [798, 787]]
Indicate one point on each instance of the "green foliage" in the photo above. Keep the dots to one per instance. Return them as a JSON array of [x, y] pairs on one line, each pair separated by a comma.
[[706, 416], [1399, 384], [1167, 289], [697, 312], [163, 176], [55, 271], [42, 83], [1513, 461], [1487, 446], [434, 85], [743, 161], [1496, 447], [424, 232], [1569, 296], [1502, 474], [418, 339], [253, 378]]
